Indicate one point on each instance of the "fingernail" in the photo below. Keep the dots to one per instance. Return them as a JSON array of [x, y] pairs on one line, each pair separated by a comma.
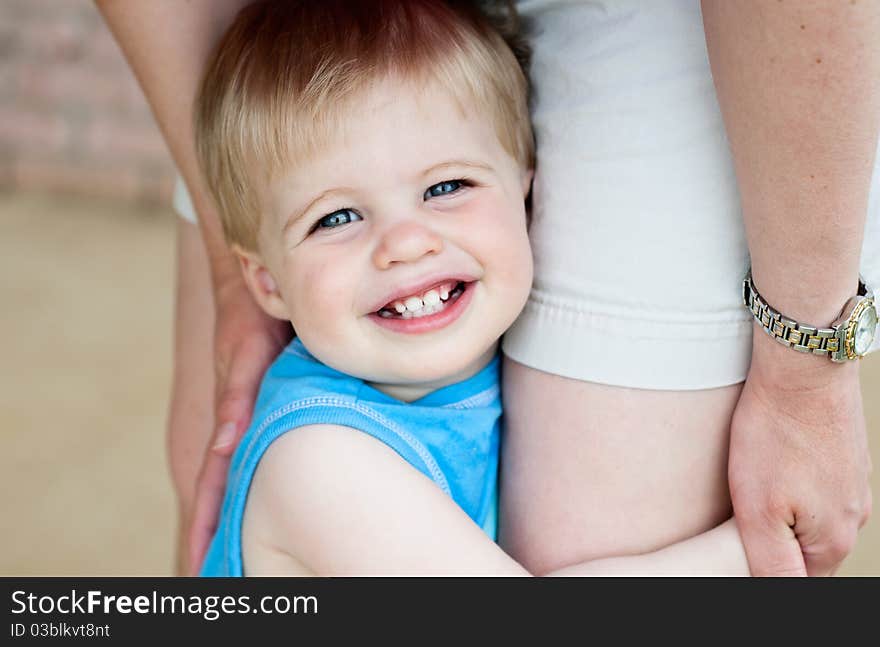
[[225, 435]]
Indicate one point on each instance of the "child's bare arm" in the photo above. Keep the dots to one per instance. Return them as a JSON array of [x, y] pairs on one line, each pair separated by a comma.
[[716, 552], [342, 503]]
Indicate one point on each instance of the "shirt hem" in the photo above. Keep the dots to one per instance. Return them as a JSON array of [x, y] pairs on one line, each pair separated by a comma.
[[618, 351]]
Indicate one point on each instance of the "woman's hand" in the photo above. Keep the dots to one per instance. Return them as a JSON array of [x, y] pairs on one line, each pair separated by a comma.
[[246, 341], [799, 462]]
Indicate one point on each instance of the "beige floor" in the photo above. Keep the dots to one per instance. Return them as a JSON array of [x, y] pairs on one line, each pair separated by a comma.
[[86, 340], [85, 321]]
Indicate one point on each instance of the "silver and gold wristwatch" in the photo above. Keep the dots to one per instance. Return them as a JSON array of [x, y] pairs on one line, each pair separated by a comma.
[[849, 337]]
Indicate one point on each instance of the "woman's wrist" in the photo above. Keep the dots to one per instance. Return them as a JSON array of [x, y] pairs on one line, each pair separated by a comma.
[[807, 293], [815, 302], [226, 274], [795, 371]]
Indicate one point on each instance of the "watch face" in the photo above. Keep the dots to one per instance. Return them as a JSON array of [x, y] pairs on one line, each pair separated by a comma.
[[866, 328]]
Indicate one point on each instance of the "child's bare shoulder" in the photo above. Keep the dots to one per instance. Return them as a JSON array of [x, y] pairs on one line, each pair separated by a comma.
[[312, 458], [317, 489]]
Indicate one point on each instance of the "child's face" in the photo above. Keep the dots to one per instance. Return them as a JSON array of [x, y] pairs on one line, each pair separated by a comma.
[[414, 201]]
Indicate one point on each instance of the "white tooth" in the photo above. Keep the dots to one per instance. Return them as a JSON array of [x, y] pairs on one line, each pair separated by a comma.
[[400, 307], [384, 313], [444, 293], [407, 315], [413, 304], [431, 298]]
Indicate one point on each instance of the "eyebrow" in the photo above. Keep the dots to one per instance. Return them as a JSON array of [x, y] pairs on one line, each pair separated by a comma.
[[297, 215], [457, 164]]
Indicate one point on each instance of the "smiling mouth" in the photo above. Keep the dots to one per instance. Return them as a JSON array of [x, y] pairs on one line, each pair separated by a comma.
[[431, 302]]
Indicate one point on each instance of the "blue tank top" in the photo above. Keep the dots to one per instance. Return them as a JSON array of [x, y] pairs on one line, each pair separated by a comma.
[[450, 435]]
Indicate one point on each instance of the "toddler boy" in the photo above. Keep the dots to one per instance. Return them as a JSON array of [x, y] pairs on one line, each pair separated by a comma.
[[371, 162]]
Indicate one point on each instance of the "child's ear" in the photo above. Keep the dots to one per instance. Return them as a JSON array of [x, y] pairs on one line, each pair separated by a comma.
[[261, 283], [527, 177]]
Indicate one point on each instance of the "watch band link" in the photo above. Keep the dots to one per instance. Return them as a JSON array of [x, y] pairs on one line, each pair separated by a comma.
[[803, 338]]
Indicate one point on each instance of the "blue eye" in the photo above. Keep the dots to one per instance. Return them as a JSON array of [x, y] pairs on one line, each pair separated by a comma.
[[337, 218], [443, 188]]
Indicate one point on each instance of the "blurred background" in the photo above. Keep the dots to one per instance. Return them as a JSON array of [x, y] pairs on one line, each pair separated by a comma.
[[87, 260], [86, 298]]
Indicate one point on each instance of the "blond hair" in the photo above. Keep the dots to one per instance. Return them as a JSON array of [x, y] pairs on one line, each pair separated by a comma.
[[286, 73]]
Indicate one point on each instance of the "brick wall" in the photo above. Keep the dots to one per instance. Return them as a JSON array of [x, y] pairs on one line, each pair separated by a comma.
[[72, 117]]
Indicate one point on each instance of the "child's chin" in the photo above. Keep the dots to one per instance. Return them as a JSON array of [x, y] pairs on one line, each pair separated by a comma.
[[440, 371], [429, 374]]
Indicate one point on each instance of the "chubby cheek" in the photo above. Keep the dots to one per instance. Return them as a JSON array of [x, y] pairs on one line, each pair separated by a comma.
[[506, 249], [320, 293], [516, 269]]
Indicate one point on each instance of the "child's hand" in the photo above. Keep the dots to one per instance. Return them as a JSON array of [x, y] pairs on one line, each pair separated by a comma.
[[246, 341]]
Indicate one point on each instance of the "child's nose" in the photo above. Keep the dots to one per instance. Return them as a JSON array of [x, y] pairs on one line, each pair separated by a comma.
[[406, 242]]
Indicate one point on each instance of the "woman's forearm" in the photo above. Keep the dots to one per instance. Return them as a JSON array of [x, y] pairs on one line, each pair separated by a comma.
[[167, 45], [225, 349], [799, 87], [798, 84]]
